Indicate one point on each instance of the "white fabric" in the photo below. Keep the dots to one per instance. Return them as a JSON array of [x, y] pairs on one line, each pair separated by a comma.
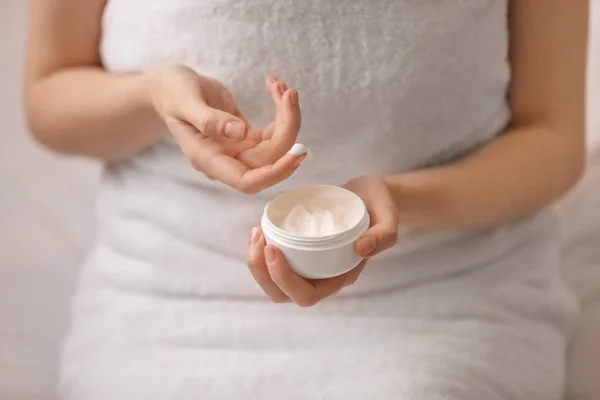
[[464, 338], [165, 307]]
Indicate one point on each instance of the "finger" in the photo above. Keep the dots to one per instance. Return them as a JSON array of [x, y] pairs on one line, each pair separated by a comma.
[[284, 133], [202, 151], [211, 157], [255, 259], [329, 287], [298, 150], [352, 276], [196, 147], [276, 89], [383, 232], [299, 290], [214, 123], [216, 95], [287, 123], [234, 173], [234, 148], [375, 240]]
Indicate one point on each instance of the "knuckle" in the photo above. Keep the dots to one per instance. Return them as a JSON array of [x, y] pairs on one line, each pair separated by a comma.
[[208, 124], [388, 236], [353, 276], [251, 260], [392, 236]]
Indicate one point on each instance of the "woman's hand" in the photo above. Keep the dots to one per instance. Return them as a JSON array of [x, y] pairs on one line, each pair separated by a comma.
[[281, 284], [205, 121]]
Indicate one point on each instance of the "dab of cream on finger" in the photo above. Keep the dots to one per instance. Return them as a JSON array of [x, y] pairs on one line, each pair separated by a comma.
[[299, 149]]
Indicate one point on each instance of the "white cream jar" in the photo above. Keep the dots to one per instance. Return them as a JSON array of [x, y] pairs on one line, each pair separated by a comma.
[[315, 228]]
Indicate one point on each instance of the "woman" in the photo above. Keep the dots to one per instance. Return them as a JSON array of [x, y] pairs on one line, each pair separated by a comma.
[[457, 123]]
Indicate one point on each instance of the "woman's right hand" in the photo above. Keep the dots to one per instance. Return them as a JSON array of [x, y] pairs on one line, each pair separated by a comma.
[[211, 132]]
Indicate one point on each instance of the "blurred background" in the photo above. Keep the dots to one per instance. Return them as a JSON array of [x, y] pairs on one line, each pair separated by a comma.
[[47, 225]]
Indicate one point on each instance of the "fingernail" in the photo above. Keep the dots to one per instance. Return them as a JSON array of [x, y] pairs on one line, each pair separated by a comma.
[[298, 149], [366, 246], [273, 79], [294, 98], [255, 236], [270, 255], [234, 130], [299, 161], [281, 88]]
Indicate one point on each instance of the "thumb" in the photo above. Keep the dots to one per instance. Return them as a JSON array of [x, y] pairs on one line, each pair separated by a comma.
[[377, 239], [383, 233], [211, 122]]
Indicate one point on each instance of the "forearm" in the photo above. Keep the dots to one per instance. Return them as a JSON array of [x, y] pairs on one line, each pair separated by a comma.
[[522, 171], [87, 111]]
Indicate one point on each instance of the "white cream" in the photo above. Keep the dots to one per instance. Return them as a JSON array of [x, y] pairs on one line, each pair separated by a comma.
[[306, 223], [319, 216], [299, 149]]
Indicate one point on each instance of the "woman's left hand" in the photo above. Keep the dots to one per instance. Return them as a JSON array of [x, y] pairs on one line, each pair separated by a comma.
[[281, 284]]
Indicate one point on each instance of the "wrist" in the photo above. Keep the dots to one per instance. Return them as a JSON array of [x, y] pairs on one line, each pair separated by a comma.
[[408, 198], [390, 182], [148, 84], [150, 88]]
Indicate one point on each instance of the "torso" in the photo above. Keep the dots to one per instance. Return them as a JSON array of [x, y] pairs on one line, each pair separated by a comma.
[[165, 307], [385, 87]]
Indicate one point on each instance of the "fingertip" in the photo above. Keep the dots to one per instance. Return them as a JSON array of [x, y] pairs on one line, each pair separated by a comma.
[[294, 97], [298, 149], [290, 161], [366, 246], [271, 84], [236, 130], [299, 161], [281, 88], [278, 270], [270, 254], [255, 236]]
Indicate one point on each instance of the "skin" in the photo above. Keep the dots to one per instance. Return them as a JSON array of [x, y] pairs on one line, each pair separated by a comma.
[[118, 115], [537, 159]]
